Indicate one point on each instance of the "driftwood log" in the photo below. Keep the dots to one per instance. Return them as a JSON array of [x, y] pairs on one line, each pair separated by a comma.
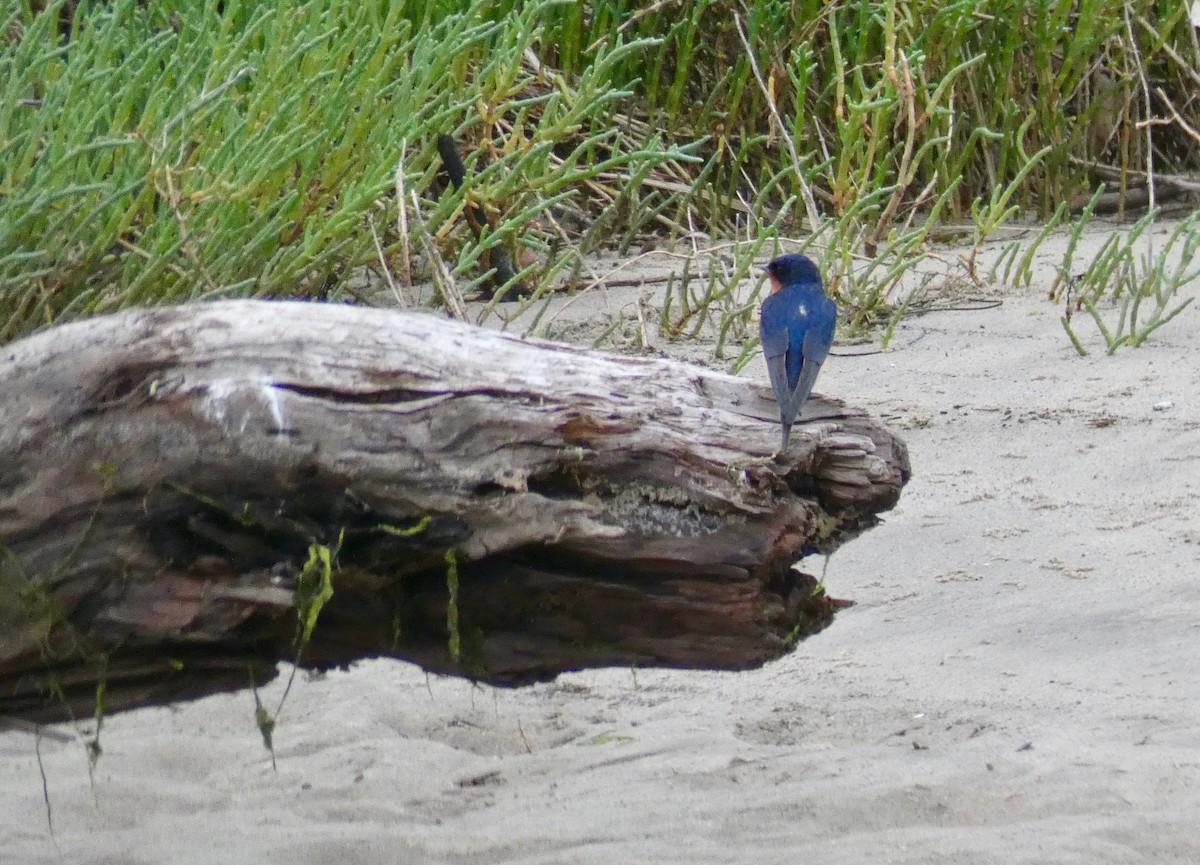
[[180, 488]]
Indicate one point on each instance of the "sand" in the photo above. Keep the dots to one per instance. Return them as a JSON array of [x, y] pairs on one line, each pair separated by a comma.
[[1019, 681]]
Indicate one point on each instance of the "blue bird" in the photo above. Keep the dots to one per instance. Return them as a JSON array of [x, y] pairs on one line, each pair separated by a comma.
[[797, 325]]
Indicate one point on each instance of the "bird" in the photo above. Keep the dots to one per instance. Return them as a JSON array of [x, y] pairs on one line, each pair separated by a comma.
[[796, 329]]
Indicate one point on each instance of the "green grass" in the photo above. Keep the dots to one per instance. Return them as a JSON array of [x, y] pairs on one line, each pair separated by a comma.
[[179, 154], [171, 151], [1130, 294]]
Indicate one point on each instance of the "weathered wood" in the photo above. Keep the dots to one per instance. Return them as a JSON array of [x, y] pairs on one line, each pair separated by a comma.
[[166, 474]]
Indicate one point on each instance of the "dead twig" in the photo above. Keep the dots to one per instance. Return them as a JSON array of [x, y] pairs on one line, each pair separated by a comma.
[[1147, 124], [810, 204]]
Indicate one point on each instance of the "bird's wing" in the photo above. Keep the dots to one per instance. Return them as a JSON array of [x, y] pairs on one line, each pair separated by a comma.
[[773, 332], [773, 326], [821, 320], [804, 386], [777, 367]]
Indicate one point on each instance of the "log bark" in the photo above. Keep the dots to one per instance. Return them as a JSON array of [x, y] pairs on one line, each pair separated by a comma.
[[170, 480]]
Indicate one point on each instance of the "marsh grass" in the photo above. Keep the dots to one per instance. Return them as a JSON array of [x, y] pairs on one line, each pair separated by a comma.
[[1129, 290], [180, 153], [869, 125], [154, 153]]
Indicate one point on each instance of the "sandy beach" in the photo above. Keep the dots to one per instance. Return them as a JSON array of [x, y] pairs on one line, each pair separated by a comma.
[[1019, 681]]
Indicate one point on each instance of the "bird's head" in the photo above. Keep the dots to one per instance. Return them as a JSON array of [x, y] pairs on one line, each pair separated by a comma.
[[793, 269]]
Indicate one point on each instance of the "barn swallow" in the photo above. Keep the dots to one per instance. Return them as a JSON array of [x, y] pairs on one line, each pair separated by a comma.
[[796, 327]]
